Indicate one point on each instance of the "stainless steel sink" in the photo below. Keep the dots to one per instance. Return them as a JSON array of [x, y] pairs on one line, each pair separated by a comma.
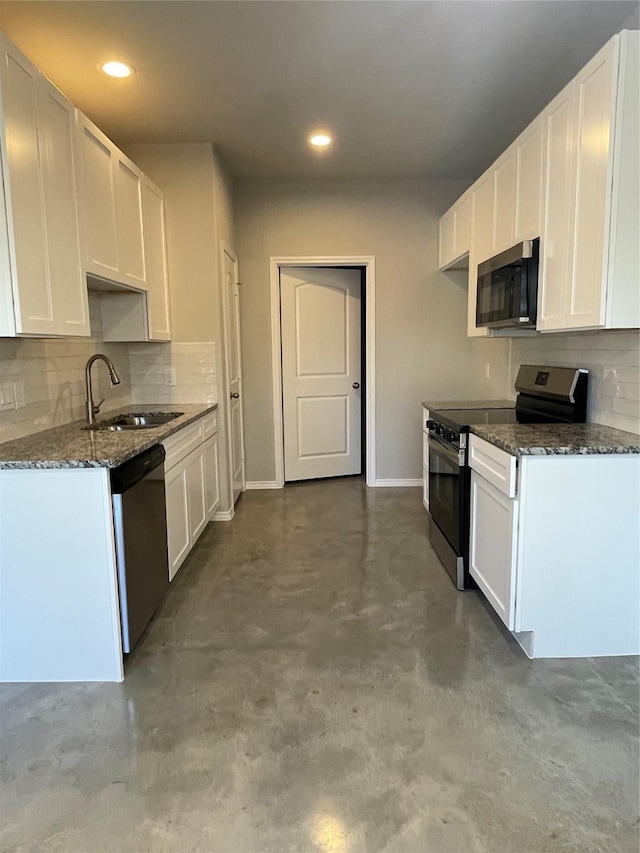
[[136, 420]]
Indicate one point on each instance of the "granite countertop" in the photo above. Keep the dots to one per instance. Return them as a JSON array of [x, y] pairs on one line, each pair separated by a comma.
[[71, 446], [558, 439], [469, 404]]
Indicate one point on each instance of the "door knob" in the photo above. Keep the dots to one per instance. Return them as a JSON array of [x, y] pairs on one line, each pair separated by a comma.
[[234, 395], [356, 385]]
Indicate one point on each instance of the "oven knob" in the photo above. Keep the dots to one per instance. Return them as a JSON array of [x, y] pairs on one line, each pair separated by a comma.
[[450, 436], [430, 424]]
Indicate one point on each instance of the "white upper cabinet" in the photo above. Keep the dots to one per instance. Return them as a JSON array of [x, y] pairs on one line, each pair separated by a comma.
[[482, 218], [517, 177], [159, 316], [571, 178], [590, 247], [45, 292], [454, 235], [111, 187], [529, 150], [504, 213]]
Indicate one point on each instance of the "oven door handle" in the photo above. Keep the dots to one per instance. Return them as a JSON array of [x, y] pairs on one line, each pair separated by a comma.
[[456, 456]]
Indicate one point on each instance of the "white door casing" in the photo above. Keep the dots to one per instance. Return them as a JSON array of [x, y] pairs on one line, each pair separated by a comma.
[[321, 372], [276, 265], [233, 365]]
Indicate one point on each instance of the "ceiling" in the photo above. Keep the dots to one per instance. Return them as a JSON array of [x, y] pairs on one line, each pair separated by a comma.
[[409, 89]]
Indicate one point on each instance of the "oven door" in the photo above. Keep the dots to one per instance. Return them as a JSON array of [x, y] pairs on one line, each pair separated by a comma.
[[446, 467]]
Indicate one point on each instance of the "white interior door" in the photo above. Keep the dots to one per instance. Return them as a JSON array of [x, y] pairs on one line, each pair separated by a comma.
[[235, 428], [321, 373]]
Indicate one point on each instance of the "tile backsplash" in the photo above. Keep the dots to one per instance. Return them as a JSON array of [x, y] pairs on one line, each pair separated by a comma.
[[173, 372], [52, 375], [613, 361]]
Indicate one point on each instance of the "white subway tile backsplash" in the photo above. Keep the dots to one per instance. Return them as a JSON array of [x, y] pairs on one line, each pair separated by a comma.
[[613, 361], [52, 373], [194, 364]]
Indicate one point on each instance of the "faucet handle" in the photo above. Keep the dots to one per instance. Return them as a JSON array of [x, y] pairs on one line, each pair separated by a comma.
[[96, 406]]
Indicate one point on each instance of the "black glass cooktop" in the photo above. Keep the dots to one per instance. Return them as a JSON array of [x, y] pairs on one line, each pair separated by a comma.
[[461, 418]]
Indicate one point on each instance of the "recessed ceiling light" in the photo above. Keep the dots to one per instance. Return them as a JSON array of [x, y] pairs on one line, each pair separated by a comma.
[[320, 140], [117, 69]]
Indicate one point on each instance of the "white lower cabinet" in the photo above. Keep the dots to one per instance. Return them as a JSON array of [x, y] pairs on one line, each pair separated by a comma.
[[177, 497], [191, 486], [196, 496], [492, 550], [555, 548]]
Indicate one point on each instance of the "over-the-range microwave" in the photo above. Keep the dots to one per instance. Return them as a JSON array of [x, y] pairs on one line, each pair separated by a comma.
[[508, 288]]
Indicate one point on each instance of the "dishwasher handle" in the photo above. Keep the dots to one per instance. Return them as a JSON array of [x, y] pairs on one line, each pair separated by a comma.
[[125, 476]]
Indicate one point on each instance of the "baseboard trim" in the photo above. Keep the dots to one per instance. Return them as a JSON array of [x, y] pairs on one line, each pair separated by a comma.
[[223, 515], [394, 483], [262, 484]]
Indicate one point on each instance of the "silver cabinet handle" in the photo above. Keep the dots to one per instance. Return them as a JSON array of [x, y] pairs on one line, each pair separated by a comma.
[[234, 395], [356, 385]]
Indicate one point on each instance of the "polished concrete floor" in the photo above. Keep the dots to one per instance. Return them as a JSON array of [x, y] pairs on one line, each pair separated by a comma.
[[314, 684]]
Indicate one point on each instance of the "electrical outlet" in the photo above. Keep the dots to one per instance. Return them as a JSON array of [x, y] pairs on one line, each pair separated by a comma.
[[170, 376], [487, 370], [18, 395], [7, 400]]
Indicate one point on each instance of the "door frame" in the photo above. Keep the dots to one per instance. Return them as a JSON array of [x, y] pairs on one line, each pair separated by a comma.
[[225, 248], [369, 264]]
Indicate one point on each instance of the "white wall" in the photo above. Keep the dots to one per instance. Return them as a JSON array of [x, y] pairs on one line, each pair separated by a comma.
[[421, 346], [613, 360], [199, 214]]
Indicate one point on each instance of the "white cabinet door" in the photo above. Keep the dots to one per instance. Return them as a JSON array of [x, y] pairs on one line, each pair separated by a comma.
[[446, 229], [529, 161], [111, 191], [45, 293], [57, 127], [589, 122], [492, 547], [559, 208], [128, 180], [462, 227], [196, 494], [454, 234], [482, 208], [159, 317], [98, 195], [594, 101], [504, 215], [177, 516], [34, 312], [211, 476]]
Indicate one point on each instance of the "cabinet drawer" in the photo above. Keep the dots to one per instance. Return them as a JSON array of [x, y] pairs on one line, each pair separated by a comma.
[[210, 425], [495, 465], [181, 444]]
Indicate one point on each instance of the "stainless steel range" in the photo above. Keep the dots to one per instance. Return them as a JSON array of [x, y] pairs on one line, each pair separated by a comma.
[[545, 395]]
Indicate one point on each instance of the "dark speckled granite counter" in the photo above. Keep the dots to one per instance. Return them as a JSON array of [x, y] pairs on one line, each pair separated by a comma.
[[469, 404], [558, 439], [71, 446]]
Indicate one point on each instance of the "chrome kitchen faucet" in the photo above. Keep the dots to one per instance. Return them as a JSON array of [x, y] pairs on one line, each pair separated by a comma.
[[94, 408]]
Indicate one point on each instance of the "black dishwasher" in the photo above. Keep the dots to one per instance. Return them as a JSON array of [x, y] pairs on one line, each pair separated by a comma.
[[140, 528]]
